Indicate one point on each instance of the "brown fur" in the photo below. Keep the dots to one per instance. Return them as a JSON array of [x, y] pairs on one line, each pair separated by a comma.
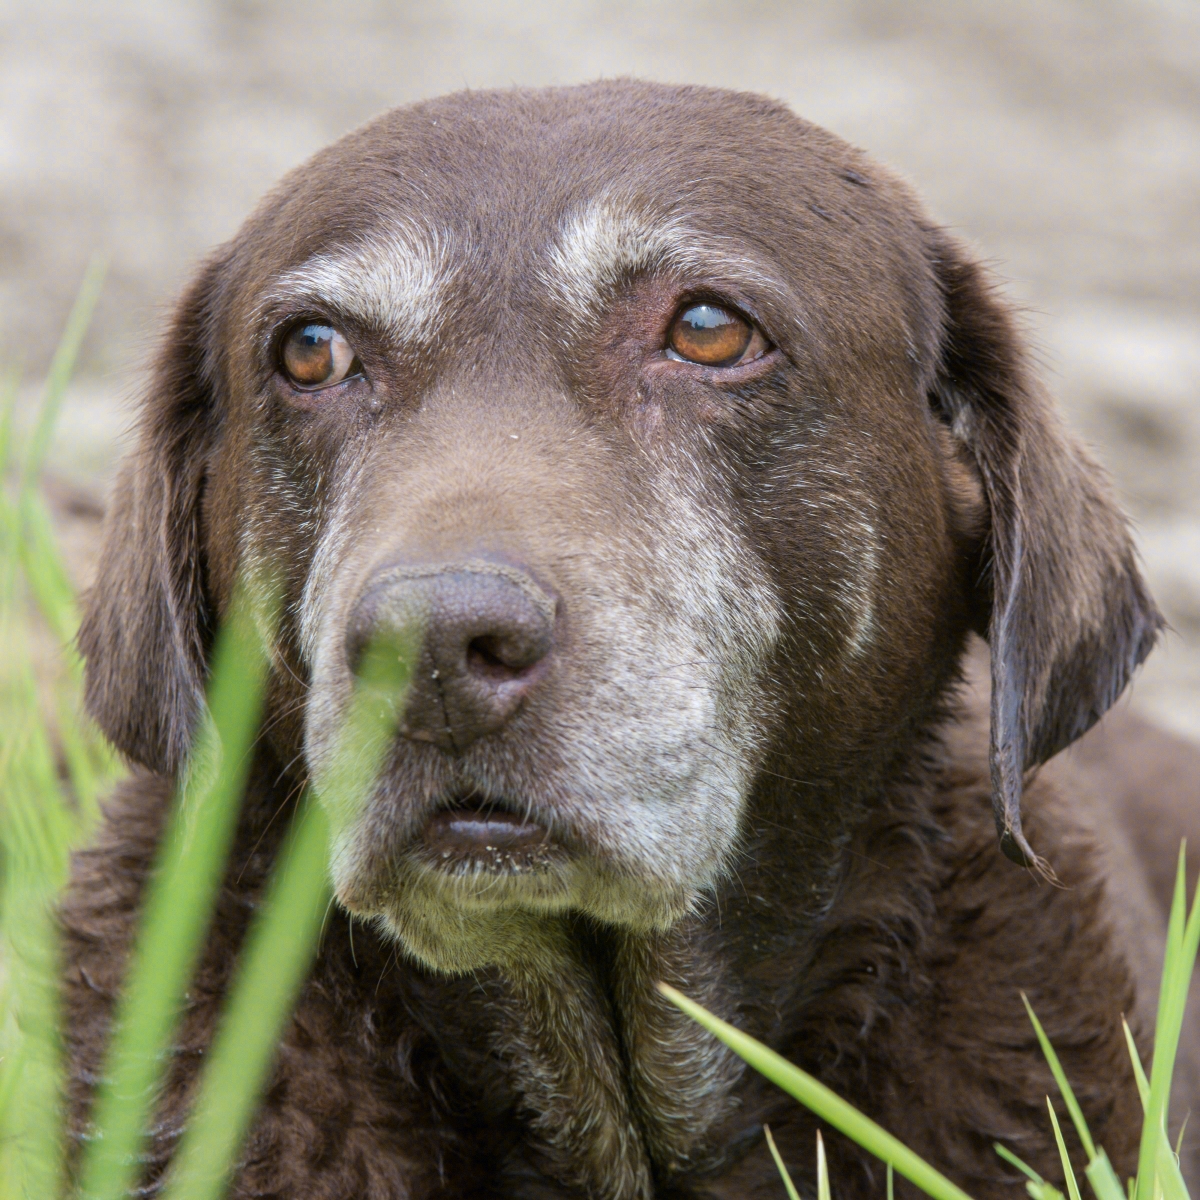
[[751, 735]]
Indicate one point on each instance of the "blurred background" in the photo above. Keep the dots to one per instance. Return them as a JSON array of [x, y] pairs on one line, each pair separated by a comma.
[[1061, 136]]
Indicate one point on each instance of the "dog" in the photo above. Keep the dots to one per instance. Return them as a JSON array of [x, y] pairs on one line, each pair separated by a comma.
[[704, 459]]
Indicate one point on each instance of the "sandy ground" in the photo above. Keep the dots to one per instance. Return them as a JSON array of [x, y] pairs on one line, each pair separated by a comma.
[[1062, 136]]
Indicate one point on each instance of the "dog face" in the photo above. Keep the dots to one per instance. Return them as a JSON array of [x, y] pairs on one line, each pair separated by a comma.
[[689, 447]]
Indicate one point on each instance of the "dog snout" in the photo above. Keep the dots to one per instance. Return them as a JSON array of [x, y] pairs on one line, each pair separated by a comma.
[[485, 634]]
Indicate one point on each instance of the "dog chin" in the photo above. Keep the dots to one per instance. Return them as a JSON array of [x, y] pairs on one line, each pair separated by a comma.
[[455, 917]]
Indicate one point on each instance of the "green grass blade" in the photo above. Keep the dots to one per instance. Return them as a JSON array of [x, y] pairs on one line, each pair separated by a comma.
[[783, 1171], [1009, 1157], [92, 765], [37, 547], [36, 825], [36, 839], [179, 902], [62, 365], [827, 1105], [1155, 1123], [1064, 1086], [36, 832], [33, 1124], [1139, 1072], [1103, 1179], [369, 729], [822, 1170], [1068, 1170], [1183, 936], [49, 581], [1035, 1185], [279, 950], [16, 1054], [1170, 1178]]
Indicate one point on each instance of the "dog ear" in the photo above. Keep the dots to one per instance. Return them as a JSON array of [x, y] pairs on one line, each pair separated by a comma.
[[1060, 598], [147, 625]]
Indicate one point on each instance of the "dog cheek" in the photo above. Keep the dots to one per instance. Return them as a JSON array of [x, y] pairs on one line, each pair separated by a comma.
[[725, 620], [329, 588]]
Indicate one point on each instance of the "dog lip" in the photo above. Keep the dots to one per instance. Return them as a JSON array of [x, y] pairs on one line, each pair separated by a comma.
[[487, 827]]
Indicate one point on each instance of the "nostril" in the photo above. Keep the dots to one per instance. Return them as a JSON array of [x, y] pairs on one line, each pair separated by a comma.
[[500, 658], [483, 659]]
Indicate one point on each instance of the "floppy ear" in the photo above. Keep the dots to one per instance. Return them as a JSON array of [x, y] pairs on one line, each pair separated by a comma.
[[1061, 600], [147, 625]]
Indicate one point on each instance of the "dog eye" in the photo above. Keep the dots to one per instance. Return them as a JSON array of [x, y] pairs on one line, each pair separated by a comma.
[[714, 337], [318, 356]]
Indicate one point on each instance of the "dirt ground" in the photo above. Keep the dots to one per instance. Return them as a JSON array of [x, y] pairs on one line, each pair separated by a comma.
[[1062, 136]]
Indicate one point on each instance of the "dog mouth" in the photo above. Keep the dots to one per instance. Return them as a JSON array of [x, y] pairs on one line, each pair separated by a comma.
[[487, 835]]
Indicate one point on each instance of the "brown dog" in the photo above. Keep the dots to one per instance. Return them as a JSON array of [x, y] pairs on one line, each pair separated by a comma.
[[698, 452]]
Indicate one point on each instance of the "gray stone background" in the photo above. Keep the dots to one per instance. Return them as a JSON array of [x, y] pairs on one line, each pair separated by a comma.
[[1061, 136]]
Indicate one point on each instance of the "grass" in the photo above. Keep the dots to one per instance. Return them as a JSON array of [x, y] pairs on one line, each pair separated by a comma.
[[54, 768]]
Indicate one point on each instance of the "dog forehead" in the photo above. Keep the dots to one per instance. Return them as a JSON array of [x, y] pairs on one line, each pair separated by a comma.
[[485, 158], [501, 174]]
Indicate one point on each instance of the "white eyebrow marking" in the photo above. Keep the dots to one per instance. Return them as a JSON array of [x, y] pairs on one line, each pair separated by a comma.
[[609, 239], [393, 279]]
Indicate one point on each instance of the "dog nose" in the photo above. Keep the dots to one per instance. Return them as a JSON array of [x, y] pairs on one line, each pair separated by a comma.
[[485, 631]]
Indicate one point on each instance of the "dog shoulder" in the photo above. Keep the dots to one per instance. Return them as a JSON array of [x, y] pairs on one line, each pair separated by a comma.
[[1078, 947]]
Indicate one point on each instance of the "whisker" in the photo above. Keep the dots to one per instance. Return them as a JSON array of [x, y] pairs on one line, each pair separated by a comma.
[[299, 787]]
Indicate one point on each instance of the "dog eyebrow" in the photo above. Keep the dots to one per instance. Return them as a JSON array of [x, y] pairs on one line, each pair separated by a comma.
[[609, 239], [393, 280]]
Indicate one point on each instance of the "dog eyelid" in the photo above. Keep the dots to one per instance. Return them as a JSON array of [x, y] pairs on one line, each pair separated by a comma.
[[315, 356]]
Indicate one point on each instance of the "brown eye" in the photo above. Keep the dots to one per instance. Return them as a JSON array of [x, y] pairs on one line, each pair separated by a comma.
[[714, 337], [317, 356]]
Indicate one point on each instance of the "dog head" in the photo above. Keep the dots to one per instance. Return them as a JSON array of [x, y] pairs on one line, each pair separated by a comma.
[[690, 445]]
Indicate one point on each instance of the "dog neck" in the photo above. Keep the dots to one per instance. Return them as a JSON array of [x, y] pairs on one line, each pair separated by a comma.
[[619, 1092], [618, 1087]]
